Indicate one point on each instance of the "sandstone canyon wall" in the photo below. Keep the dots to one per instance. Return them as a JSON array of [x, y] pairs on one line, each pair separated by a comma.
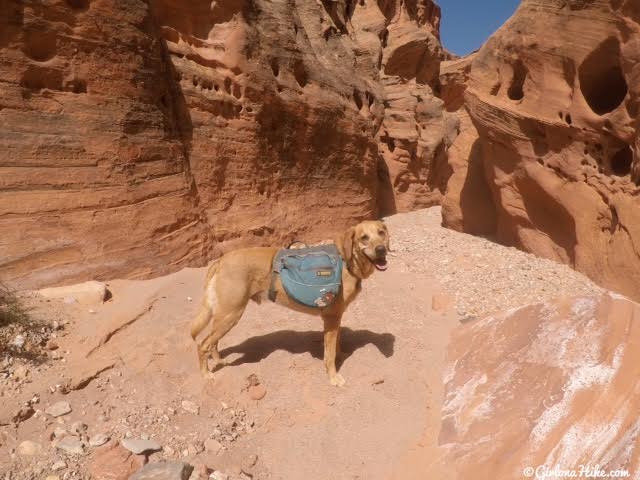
[[554, 165], [139, 137]]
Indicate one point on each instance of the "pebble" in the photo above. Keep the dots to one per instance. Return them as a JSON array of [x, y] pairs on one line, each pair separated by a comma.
[[98, 440], [257, 392], [60, 465], [163, 471], [29, 448], [58, 433], [58, 409], [78, 428], [18, 341], [190, 407], [52, 477], [140, 446], [71, 445], [218, 475], [212, 445]]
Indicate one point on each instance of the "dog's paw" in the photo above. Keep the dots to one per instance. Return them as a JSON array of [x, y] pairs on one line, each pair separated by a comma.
[[337, 380]]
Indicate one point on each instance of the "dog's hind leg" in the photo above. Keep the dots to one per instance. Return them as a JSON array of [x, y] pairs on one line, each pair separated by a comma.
[[222, 323]]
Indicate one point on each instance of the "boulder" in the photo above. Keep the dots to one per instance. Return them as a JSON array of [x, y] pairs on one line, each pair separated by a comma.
[[88, 292], [557, 387]]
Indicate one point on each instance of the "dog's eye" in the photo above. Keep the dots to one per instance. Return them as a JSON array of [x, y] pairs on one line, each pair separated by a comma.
[[364, 237], [381, 233]]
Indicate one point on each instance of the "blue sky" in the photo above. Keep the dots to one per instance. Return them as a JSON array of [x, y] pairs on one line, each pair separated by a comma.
[[466, 24]]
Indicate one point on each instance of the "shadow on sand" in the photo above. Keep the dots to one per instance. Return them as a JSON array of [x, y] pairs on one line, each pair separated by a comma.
[[260, 347]]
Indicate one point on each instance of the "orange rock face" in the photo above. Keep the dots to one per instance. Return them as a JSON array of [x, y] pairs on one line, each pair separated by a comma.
[[139, 137], [558, 147], [557, 389]]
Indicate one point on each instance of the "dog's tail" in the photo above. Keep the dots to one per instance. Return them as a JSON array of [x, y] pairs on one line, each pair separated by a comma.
[[200, 322]]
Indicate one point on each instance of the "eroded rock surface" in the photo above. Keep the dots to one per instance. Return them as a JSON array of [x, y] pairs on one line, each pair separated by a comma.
[[559, 386], [558, 146]]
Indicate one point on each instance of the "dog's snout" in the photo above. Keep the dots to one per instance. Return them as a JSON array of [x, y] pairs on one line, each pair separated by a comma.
[[381, 250]]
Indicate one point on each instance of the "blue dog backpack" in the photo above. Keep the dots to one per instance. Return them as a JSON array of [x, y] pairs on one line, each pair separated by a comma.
[[311, 276]]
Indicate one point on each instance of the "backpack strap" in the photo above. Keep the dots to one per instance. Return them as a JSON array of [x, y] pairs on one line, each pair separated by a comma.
[[275, 270]]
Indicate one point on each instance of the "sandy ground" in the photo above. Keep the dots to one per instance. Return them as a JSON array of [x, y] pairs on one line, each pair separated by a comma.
[[127, 366]]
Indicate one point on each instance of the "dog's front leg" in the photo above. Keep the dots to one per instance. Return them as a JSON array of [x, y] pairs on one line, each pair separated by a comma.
[[331, 334]]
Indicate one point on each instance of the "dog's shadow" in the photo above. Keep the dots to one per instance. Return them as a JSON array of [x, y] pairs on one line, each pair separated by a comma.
[[260, 347]]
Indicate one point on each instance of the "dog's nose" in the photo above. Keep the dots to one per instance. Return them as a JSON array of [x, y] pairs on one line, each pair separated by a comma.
[[381, 250]]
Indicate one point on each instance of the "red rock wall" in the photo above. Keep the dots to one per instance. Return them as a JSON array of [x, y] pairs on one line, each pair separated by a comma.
[[557, 118], [140, 137]]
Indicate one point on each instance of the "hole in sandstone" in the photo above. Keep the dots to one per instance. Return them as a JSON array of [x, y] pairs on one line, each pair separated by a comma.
[[632, 108], [540, 161], [237, 91], [216, 87], [601, 79], [76, 86], [36, 78], [607, 124], [195, 82], [384, 37], [280, 88], [370, 98], [164, 101], [248, 109], [40, 46], [621, 161], [357, 99], [274, 67], [584, 162], [78, 4], [300, 73], [227, 84], [560, 115], [495, 89], [568, 119], [516, 90]]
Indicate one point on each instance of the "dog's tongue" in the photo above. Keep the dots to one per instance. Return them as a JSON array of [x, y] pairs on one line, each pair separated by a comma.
[[381, 264]]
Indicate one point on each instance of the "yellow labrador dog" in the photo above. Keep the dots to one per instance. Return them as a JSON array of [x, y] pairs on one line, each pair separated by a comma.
[[245, 274]]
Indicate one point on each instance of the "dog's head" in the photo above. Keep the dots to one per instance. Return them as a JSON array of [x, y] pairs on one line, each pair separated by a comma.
[[365, 247]]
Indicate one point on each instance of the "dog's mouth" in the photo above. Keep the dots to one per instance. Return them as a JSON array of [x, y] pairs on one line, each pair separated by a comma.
[[380, 263]]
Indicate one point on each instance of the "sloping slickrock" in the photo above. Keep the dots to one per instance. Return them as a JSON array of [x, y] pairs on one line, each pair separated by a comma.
[[559, 386]]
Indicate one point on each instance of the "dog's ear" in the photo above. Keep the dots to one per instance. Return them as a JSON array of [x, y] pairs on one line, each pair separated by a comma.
[[347, 244]]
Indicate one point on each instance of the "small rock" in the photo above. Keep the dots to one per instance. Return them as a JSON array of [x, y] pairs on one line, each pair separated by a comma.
[[18, 341], [112, 461], [78, 428], [25, 413], [190, 407], [212, 445], [58, 409], [60, 465], [249, 462], [52, 345], [140, 446], [71, 445], [69, 300], [218, 475], [163, 471], [52, 477], [58, 433], [98, 440], [29, 449], [257, 392]]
